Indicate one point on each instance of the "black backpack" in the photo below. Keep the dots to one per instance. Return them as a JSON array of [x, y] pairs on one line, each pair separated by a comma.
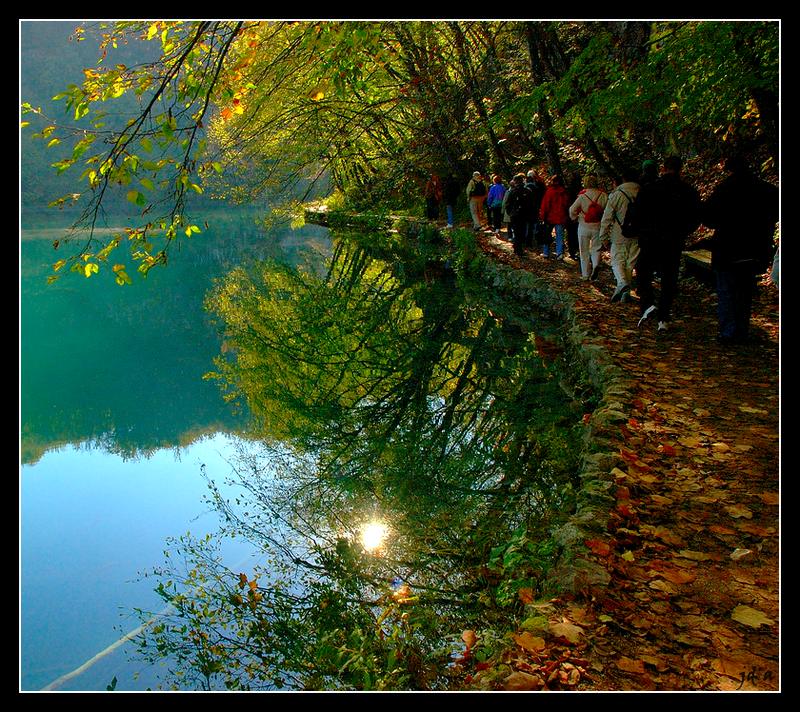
[[478, 189], [518, 198], [629, 227]]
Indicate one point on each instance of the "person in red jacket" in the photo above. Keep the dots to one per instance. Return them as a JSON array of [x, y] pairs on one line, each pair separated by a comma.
[[554, 213]]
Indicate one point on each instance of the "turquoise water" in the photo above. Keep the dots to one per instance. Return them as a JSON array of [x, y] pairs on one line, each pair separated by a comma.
[[117, 429]]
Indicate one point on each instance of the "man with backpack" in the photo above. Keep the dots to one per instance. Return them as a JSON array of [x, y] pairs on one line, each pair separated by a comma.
[[517, 205], [624, 250], [666, 212]]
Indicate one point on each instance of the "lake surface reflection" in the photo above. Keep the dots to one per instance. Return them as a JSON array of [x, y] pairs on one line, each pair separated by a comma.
[[117, 426]]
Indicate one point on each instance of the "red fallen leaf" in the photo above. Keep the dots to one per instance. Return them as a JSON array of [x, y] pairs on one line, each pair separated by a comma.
[[628, 455], [481, 666], [623, 493], [526, 595], [468, 680], [601, 548], [626, 511], [634, 423], [586, 418]]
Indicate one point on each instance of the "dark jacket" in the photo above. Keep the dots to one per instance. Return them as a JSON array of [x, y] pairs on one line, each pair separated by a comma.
[[452, 189], [518, 203], [667, 211], [743, 210], [537, 189]]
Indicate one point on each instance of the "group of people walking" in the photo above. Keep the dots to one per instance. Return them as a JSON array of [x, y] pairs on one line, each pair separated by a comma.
[[646, 220]]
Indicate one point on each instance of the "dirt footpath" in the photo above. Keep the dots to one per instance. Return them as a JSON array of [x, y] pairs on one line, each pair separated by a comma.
[[692, 547]]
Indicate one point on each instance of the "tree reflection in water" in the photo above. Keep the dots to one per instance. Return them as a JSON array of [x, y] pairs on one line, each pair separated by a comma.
[[393, 387]]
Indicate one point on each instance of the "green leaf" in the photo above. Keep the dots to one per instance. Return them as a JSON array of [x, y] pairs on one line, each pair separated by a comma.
[[137, 198], [147, 183]]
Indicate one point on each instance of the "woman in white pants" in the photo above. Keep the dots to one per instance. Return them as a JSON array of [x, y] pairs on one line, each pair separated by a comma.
[[588, 211]]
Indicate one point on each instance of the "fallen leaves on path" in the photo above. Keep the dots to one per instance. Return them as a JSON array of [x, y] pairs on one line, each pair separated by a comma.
[[691, 541]]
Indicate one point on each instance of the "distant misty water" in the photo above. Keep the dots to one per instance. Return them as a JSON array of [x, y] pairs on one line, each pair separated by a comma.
[[117, 427]]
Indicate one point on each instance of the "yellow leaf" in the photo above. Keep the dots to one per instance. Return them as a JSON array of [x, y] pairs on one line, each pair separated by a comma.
[[628, 556], [90, 268], [529, 641], [566, 630], [739, 510], [750, 617], [690, 442], [319, 96]]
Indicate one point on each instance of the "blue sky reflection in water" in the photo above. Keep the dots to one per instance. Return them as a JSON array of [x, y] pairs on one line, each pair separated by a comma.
[[115, 423], [91, 522]]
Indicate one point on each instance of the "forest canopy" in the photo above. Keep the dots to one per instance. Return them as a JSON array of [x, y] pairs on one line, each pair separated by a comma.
[[250, 110]]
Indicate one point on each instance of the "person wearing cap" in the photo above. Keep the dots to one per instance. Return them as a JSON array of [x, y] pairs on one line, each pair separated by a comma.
[[649, 172], [476, 193]]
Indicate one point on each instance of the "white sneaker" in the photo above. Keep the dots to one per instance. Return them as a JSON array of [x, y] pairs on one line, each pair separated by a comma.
[[662, 325], [646, 314]]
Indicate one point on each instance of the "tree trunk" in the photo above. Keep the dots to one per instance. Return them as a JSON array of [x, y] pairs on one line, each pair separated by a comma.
[[538, 73], [477, 99]]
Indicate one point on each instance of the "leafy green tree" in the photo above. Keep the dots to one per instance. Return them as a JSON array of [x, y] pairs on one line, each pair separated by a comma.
[[244, 110]]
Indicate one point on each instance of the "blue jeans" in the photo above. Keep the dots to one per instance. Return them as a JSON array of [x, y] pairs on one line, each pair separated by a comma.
[[449, 214], [735, 287], [559, 240]]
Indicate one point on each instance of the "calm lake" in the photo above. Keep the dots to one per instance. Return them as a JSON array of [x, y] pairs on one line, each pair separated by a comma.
[[117, 430]]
